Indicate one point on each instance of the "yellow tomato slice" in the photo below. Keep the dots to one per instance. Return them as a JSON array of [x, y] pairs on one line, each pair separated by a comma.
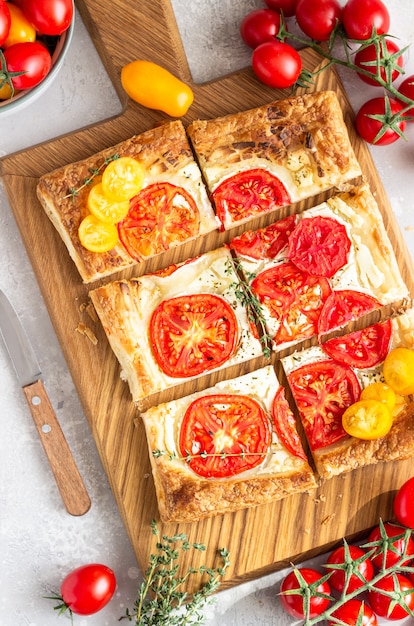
[[367, 419], [97, 236], [398, 370], [381, 392], [105, 209], [122, 179]]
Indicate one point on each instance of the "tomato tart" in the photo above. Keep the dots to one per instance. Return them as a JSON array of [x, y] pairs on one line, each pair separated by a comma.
[[275, 155], [232, 446], [177, 324], [319, 270], [124, 223], [327, 381]]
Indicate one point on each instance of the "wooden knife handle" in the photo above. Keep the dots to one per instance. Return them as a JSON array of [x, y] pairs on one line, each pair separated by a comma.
[[66, 473]]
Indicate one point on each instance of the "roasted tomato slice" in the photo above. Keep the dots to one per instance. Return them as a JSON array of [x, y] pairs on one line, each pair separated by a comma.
[[294, 298], [248, 194], [362, 348], [224, 434], [193, 334], [285, 425], [265, 243], [323, 391], [159, 216], [319, 245]]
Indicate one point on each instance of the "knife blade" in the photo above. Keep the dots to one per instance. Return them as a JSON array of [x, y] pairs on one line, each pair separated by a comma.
[[68, 479]]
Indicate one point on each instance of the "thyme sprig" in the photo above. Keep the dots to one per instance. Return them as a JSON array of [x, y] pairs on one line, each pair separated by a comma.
[[340, 50], [161, 599], [350, 566], [157, 453], [245, 295], [94, 172]]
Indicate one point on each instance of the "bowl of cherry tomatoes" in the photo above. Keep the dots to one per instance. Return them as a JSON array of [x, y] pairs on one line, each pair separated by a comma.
[[35, 36]]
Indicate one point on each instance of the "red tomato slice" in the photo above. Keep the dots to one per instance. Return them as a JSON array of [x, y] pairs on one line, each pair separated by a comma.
[[362, 348], [319, 245], [248, 194], [323, 391], [344, 306], [285, 425], [160, 215], [294, 298], [193, 334], [265, 243], [224, 435]]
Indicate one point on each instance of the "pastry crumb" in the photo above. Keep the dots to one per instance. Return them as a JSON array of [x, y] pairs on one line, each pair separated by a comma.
[[82, 329]]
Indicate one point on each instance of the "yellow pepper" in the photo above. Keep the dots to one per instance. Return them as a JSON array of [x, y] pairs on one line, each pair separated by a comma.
[[155, 87]]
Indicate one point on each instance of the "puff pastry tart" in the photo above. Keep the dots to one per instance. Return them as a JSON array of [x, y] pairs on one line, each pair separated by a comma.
[[275, 155], [326, 380], [243, 451], [302, 266], [177, 324], [170, 208]]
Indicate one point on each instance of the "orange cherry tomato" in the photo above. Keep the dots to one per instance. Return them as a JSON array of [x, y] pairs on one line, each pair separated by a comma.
[[398, 371], [21, 29], [155, 87]]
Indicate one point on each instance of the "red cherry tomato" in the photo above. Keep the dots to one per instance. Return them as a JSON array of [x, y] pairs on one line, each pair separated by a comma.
[[383, 605], [276, 64], [361, 563], [259, 26], [406, 88], [359, 18], [318, 18], [379, 131], [30, 57], [287, 7], [396, 549], [87, 589], [404, 504], [366, 59], [294, 603], [49, 17], [5, 21], [350, 611]]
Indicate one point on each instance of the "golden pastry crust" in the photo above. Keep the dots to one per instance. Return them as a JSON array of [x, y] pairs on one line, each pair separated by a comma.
[[184, 496], [125, 309], [165, 155], [302, 139], [350, 453]]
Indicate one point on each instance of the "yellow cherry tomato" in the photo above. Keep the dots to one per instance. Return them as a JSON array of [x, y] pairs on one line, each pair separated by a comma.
[[21, 30], [398, 370], [97, 236], [105, 209], [155, 87], [5, 92], [122, 179], [367, 419], [382, 392]]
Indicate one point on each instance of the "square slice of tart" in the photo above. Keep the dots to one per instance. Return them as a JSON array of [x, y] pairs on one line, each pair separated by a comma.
[[325, 384], [232, 446], [132, 201], [321, 269], [275, 155], [177, 324]]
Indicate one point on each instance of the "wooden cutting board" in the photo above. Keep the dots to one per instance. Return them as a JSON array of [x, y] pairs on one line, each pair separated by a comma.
[[260, 540]]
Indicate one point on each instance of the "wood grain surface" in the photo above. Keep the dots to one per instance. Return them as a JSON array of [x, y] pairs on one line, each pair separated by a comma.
[[260, 540]]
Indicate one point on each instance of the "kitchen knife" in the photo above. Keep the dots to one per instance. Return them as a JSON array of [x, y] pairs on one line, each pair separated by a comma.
[[66, 473]]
